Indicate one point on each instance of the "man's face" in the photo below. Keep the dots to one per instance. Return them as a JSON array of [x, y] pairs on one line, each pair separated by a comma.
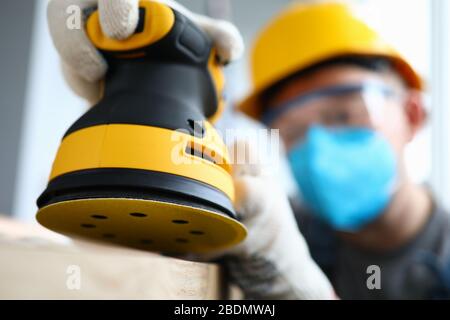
[[390, 117]]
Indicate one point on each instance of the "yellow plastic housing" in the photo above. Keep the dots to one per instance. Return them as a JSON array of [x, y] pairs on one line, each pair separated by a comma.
[[147, 148]]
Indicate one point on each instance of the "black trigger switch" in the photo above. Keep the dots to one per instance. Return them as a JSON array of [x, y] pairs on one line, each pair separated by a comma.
[[141, 21]]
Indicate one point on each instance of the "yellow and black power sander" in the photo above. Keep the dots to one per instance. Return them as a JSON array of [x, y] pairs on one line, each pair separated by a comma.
[[125, 172]]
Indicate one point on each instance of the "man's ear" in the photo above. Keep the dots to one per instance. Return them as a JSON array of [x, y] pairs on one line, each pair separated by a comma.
[[416, 113]]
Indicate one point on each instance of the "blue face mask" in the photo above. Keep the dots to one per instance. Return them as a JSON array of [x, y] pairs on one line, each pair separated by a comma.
[[346, 176]]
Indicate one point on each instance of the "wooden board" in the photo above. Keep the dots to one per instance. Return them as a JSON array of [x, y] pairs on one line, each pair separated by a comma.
[[38, 264]]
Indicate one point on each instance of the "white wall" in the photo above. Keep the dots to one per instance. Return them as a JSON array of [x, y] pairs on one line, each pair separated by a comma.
[[50, 108], [440, 99], [15, 16]]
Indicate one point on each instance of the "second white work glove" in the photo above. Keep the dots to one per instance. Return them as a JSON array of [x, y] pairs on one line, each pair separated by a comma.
[[84, 67], [274, 261]]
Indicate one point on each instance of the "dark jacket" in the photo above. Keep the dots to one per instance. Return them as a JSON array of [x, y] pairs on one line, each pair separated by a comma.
[[418, 270]]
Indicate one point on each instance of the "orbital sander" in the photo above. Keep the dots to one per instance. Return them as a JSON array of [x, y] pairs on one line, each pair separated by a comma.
[[145, 167]]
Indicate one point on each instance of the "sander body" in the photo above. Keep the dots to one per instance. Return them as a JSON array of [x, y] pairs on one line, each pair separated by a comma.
[[145, 167]]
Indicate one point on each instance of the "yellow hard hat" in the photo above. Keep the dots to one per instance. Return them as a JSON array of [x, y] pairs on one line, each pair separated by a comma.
[[306, 34]]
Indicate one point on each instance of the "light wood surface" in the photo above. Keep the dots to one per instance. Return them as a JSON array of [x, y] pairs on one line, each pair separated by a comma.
[[38, 264]]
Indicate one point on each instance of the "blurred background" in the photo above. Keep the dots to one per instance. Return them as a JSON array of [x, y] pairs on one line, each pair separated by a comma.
[[36, 106]]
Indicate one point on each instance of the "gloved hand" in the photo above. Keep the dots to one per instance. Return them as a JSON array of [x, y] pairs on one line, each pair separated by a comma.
[[274, 261], [84, 67]]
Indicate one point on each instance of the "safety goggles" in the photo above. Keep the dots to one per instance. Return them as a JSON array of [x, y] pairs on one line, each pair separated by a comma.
[[357, 104]]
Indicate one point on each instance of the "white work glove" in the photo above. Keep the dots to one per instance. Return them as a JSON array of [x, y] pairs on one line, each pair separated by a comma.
[[274, 261], [84, 67]]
